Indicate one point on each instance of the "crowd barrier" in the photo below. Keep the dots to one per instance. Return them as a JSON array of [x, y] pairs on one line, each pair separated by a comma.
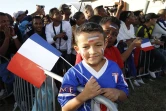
[[29, 98], [141, 72]]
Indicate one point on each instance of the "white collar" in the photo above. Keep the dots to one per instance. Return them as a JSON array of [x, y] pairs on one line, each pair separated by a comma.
[[95, 73]]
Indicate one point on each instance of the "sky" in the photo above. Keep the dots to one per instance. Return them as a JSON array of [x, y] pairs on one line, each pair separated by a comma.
[[11, 6]]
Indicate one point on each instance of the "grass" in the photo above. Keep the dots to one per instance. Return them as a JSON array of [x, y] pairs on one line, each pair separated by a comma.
[[148, 97]]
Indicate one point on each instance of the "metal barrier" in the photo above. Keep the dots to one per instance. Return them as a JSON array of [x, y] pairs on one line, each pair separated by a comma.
[[101, 99], [144, 73], [6, 93], [29, 98]]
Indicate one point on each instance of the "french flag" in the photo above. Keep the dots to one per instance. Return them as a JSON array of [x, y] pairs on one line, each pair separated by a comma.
[[146, 45], [30, 60]]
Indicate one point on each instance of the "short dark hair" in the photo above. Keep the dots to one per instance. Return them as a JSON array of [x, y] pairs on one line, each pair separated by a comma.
[[110, 19], [97, 9], [77, 15], [88, 27], [87, 7], [51, 11], [48, 17], [95, 19], [10, 19], [124, 15], [2, 14], [36, 17]]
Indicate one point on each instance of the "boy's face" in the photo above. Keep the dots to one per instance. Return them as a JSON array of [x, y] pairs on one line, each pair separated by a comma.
[[91, 47], [111, 30], [57, 16]]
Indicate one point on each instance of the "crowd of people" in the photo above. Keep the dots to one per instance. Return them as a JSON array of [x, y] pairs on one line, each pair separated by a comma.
[[102, 47]]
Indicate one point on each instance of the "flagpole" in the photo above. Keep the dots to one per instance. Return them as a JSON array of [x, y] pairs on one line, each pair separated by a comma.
[[74, 68], [55, 76]]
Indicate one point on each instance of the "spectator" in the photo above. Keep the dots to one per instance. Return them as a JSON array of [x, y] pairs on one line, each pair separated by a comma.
[[9, 44], [99, 10], [37, 27], [93, 62], [160, 26], [137, 20], [162, 14], [59, 33], [95, 19], [156, 57], [46, 20], [16, 29], [126, 31], [23, 20], [125, 39], [66, 12], [79, 20], [88, 11]]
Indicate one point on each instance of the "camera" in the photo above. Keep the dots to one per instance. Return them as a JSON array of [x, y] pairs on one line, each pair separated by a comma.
[[113, 9]]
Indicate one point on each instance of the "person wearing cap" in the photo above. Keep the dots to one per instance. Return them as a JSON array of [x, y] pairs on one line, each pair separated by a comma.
[[9, 42], [65, 11], [157, 60], [23, 20]]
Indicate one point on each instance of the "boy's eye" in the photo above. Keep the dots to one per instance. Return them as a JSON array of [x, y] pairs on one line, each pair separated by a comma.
[[85, 47], [99, 45]]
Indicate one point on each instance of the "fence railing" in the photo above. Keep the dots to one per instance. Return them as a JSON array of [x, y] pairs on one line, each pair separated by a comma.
[[29, 98]]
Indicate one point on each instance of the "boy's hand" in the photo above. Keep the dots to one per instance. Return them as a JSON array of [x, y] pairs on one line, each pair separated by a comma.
[[111, 93], [92, 89]]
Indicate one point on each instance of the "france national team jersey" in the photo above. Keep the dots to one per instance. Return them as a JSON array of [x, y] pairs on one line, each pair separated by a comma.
[[109, 76]]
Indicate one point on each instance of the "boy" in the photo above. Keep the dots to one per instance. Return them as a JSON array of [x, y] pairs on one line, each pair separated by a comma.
[[90, 43]]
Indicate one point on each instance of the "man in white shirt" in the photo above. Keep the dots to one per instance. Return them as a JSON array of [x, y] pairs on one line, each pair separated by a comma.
[[59, 34]]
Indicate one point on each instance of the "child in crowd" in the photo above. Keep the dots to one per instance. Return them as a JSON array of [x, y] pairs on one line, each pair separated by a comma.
[[98, 75]]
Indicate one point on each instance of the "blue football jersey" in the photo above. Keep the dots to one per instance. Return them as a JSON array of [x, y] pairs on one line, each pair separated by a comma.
[[109, 76]]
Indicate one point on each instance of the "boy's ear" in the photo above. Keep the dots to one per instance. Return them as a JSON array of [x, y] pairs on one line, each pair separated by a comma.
[[77, 49]]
